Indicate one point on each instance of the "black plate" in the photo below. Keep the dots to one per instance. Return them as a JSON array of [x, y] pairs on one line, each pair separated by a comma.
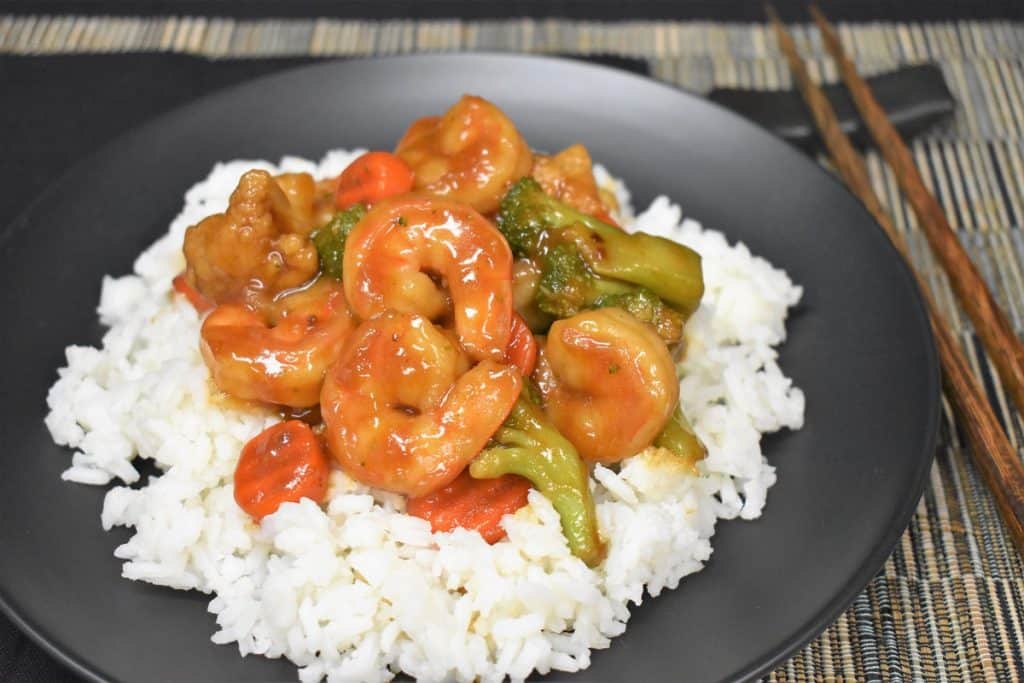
[[859, 347]]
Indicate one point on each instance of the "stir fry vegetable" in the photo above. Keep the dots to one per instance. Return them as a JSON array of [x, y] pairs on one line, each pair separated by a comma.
[[330, 239], [568, 286], [477, 504], [534, 223], [679, 437], [372, 177], [528, 444], [282, 464], [259, 247]]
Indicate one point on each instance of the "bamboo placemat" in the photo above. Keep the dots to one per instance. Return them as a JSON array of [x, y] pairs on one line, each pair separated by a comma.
[[949, 602]]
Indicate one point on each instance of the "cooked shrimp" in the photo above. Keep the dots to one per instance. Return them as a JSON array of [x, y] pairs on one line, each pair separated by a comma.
[[522, 347], [401, 410], [394, 254], [569, 177], [471, 154], [609, 383], [281, 359], [525, 282], [259, 246]]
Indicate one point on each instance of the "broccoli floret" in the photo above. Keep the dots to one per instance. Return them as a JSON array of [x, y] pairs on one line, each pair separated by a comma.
[[527, 213], [329, 240], [534, 223], [568, 286], [528, 444], [645, 305]]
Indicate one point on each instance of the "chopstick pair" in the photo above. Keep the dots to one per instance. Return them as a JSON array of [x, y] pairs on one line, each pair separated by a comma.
[[996, 458]]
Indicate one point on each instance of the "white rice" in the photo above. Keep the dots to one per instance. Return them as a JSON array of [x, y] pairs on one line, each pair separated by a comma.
[[358, 591]]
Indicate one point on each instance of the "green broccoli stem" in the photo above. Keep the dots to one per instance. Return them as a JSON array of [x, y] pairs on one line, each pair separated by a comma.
[[668, 269], [529, 445], [679, 437]]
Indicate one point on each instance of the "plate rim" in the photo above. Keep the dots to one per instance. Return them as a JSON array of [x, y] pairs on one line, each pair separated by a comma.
[[880, 551]]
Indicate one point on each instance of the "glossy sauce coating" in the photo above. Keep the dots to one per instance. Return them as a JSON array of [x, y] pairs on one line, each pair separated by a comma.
[[402, 412], [199, 302], [259, 247], [609, 383], [395, 255], [281, 358], [522, 347], [282, 464], [373, 176], [471, 154], [415, 360], [525, 282], [569, 176], [478, 504]]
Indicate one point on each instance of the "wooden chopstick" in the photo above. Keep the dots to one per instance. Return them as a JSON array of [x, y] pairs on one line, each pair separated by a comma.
[[991, 324], [996, 458]]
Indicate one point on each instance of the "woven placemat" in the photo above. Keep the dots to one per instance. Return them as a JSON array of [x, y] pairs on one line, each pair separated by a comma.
[[949, 602]]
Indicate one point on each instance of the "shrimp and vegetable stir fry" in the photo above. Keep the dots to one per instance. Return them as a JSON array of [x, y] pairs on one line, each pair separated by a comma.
[[459, 321]]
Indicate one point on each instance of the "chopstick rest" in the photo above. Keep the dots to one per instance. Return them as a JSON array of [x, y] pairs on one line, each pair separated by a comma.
[[914, 97]]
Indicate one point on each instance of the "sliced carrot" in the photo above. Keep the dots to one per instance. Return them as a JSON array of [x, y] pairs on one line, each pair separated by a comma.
[[198, 301], [475, 504], [281, 464], [372, 177], [522, 347]]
